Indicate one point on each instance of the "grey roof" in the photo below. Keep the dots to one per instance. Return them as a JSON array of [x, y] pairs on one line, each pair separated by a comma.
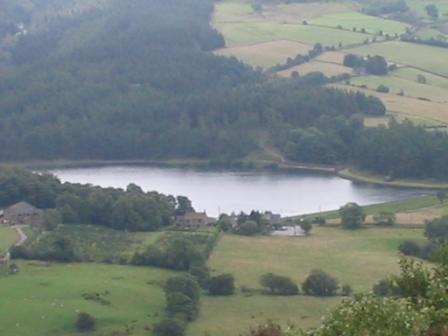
[[22, 208]]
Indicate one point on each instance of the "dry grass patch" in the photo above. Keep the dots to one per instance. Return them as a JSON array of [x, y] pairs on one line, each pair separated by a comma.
[[266, 54], [332, 57], [430, 113]]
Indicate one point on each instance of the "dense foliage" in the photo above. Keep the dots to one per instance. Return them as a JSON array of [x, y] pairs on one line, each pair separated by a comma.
[[130, 209], [278, 285], [142, 85], [223, 284]]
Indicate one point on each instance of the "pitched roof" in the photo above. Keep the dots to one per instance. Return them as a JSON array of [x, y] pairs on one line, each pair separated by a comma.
[[22, 208]]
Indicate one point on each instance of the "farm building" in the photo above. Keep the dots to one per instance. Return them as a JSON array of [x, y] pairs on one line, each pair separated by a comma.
[[21, 213], [194, 220]]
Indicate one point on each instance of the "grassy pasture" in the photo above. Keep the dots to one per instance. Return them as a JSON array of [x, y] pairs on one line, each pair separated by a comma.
[[409, 87], [431, 79], [328, 69], [419, 7], [238, 11], [255, 32], [8, 237], [44, 299], [266, 54], [425, 113], [427, 58], [235, 315], [342, 253], [350, 20], [96, 243]]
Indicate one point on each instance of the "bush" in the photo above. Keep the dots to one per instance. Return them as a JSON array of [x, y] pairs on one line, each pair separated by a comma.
[[85, 322], [278, 285], [410, 248], [385, 287], [223, 284], [346, 290], [169, 327], [320, 283], [352, 216], [182, 297], [248, 228], [383, 89]]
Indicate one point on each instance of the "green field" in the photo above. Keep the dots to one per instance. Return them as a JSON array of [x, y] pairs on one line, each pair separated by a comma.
[[426, 58], [431, 79], [8, 237], [43, 300], [341, 253], [357, 20], [410, 87], [96, 243], [235, 315], [419, 7], [248, 33]]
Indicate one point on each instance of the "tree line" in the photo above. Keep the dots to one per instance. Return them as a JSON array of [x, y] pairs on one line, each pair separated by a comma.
[[131, 209]]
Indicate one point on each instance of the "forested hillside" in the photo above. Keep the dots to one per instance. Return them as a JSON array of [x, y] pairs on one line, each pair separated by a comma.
[[135, 80], [108, 80]]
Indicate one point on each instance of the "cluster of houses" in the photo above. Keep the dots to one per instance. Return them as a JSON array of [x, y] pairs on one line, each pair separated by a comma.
[[21, 213]]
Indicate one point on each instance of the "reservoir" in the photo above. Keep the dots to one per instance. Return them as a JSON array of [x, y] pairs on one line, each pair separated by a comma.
[[232, 191]]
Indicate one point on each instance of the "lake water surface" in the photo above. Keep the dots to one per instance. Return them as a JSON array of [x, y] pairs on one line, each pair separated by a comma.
[[227, 191]]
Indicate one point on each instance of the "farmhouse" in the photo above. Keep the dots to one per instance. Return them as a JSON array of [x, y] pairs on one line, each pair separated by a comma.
[[194, 220], [21, 213]]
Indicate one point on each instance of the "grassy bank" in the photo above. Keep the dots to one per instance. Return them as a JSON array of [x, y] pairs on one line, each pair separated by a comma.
[[354, 175]]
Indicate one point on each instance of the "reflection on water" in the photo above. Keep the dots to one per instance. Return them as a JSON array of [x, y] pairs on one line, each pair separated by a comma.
[[226, 191]]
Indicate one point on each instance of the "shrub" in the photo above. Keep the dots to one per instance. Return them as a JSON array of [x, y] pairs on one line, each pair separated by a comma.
[[346, 290], [223, 284], [410, 248], [248, 228], [320, 283], [279, 285], [383, 89], [169, 327], [182, 297], [352, 216], [85, 322], [385, 288]]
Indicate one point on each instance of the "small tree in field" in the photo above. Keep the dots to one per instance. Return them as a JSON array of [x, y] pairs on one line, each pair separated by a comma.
[[306, 226], [352, 216], [223, 284], [320, 283], [280, 285], [85, 322]]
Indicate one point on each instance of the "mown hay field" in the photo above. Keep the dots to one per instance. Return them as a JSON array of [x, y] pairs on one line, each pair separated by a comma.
[[266, 54]]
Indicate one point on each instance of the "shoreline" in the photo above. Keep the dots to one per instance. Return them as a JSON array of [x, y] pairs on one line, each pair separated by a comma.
[[343, 172]]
